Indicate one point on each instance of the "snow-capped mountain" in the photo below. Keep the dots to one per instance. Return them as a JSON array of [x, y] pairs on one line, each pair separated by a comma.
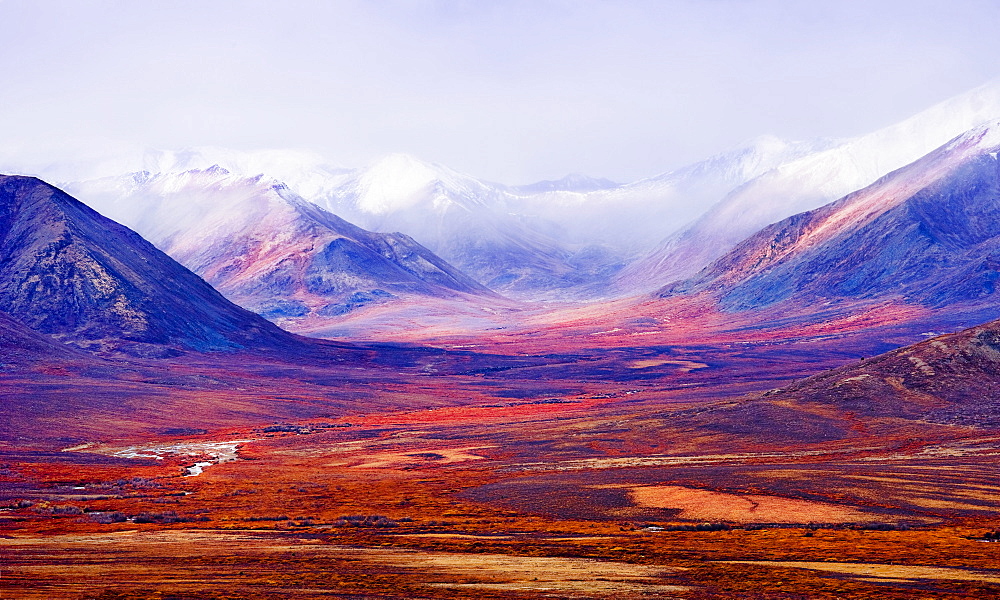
[[573, 233], [925, 233], [269, 250], [588, 238], [473, 224], [554, 239], [305, 172], [809, 182], [563, 238]]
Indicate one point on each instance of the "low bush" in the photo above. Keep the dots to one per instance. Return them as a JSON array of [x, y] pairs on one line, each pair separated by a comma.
[[165, 517], [365, 521], [107, 518]]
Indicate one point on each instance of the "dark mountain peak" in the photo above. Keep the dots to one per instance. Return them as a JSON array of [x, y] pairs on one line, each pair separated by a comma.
[[69, 272]]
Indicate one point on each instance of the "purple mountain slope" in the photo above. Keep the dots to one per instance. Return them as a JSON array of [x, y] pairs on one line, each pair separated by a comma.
[[923, 234], [809, 182], [83, 279]]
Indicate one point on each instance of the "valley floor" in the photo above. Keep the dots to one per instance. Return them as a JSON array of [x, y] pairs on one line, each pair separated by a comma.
[[522, 501], [605, 456]]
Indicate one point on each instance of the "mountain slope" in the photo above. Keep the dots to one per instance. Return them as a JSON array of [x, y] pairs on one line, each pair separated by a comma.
[[69, 272], [924, 234], [574, 233], [20, 345], [551, 239], [812, 181], [938, 390], [267, 249], [951, 379]]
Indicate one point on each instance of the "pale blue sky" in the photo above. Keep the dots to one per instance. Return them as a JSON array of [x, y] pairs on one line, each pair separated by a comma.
[[507, 90]]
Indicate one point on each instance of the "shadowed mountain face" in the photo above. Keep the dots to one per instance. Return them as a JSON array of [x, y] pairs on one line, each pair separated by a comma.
[[270, 251], [20, 345], [68, 272], [924, 234]]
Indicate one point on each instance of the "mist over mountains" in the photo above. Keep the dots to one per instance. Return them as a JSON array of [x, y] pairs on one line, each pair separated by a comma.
[[269, 250], [297, 239], [574, 239]]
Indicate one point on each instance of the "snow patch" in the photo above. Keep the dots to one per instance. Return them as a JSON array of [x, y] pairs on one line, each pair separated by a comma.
[[215, 452], [197, 468]]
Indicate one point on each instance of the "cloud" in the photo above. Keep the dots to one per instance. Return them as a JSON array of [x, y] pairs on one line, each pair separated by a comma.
[[511, 91]]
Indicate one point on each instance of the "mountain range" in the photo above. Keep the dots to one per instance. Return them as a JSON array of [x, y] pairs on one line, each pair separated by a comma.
[[270, 251], [923, 234], [562, 239], [320, 241], [579, 237], [808, 182]]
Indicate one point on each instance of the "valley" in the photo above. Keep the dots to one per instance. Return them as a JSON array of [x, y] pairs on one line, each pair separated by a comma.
[[400, 381], [667, 471]]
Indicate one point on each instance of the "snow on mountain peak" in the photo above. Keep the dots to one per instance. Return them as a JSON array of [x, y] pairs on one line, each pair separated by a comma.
[[397, 182], [816, 178], [394, 182], [245, 163], [982, 138]]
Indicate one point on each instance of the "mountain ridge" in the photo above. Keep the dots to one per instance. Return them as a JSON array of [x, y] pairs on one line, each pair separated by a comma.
[[919, 234], [811, 181]]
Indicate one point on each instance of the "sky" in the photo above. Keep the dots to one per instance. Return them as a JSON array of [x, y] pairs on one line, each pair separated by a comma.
[[507, 90]]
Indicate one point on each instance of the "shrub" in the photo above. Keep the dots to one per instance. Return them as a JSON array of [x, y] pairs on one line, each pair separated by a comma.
[[165, 517], [67, 509], [365, 521], [107, 518]]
